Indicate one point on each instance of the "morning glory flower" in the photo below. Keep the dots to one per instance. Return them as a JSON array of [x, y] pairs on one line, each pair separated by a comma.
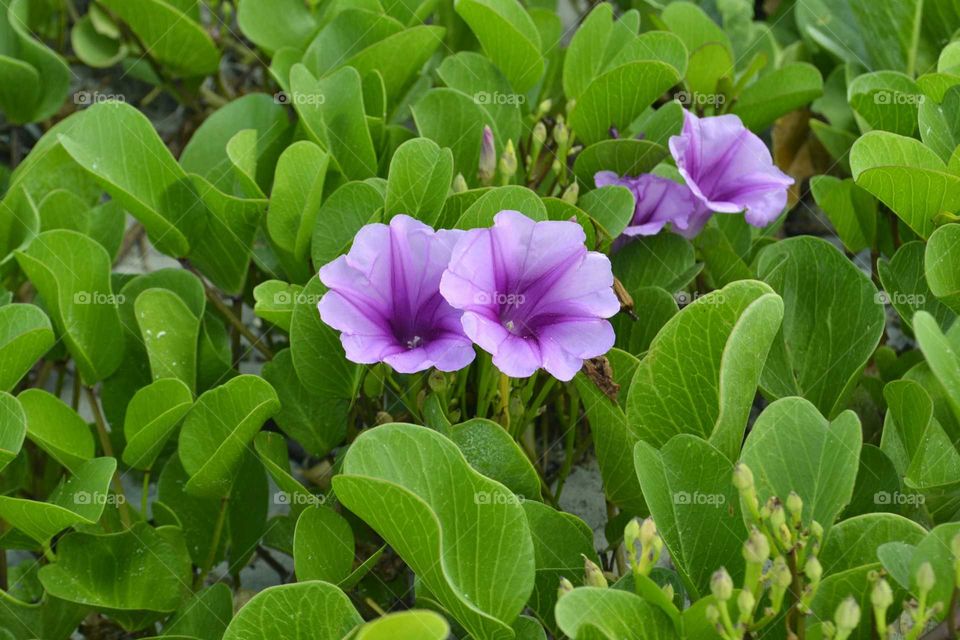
[[729, 169], [658, 201], [385, 300], [532, 295]]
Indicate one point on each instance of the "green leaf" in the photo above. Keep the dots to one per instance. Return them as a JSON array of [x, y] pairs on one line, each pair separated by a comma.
[[714, 348], [940, 123], [906, 286], [170, 333], [711, 54], [275, 302], [152, 416], [608, 614], [941, 356], [72, 273], [613, 438], [834, 322], [323, 546], [78, 500], [665, 260], [25, 335], [475, 75], [605, 103], [634, 335], [624, 156], [560, 543], [196, 516], [489, 449], [422, 625], [790, 87], [56, 428], [419, 179], [342, 215], [886, 100], [13, 428], [942, 262], [508, 36], [303, 611], [854, 31], [38, 79], [297, 193], [482, 212], [854, 542], [133, 576], [218, 429], [851, 210], [611, 208], [688, 489], [93, 48], [907, 176], [275, 24], [272, 450], [792, 447], [316, 351], [171, 37], [205, 616], [317, 421], [454, 120], [331, 110], [414, 487]]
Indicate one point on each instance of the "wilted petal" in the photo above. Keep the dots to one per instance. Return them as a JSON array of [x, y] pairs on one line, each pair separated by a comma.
[[729, 168], [384, 298]]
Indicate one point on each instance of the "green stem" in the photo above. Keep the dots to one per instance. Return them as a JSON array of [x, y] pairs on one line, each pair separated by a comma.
[[107, 447], [505, 401], [237, 323], [144, 492]]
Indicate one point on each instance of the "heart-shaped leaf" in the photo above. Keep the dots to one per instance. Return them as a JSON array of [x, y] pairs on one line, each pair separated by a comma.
[[13, 428], [56, 428], [323, 546], [489, 449], [941, 260], [420, 177], [775, 94], [297, 192], [716, 348], [508, 36], [170, 332], [303, 611], [424, 625], [792, 447], [906, 285], [219, 428], [449, 511], [609, 614], [151, 418], [25, 335]]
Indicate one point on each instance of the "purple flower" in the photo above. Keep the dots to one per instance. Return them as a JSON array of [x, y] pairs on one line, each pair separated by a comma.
[[729, 169], [532, 295], [384, 298], [658, 201]]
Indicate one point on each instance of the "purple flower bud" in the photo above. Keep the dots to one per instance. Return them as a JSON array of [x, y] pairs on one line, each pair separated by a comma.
[[488, 157], [532, 295], [729, 169], [385, 300], [658, 201]]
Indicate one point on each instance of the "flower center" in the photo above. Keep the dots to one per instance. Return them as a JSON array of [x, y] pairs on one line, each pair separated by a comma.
[[414, 342]]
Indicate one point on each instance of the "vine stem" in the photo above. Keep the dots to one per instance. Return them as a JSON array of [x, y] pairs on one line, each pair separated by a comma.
[[107, 447], [505, 401], [237, 323]]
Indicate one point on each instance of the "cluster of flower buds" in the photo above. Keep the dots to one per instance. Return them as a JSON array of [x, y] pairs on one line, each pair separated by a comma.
[[644, 545], [778, 549], [490, 167]]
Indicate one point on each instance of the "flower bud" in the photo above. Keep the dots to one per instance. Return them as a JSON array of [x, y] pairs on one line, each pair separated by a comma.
[[508, 162], [712, 614], [813, 570], [539, 133], [488, 158], [881, 596], [668, 591], [926, 578], [795, 507], [742, 477], [780, 575], [828, 630], [777, 517], [847, 615], [756, 549], [592, 574], [544, 108], [437, 380], [721, 585], [561, 135], [648, 531], [571, 195], [565, 587], [459, 184]]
